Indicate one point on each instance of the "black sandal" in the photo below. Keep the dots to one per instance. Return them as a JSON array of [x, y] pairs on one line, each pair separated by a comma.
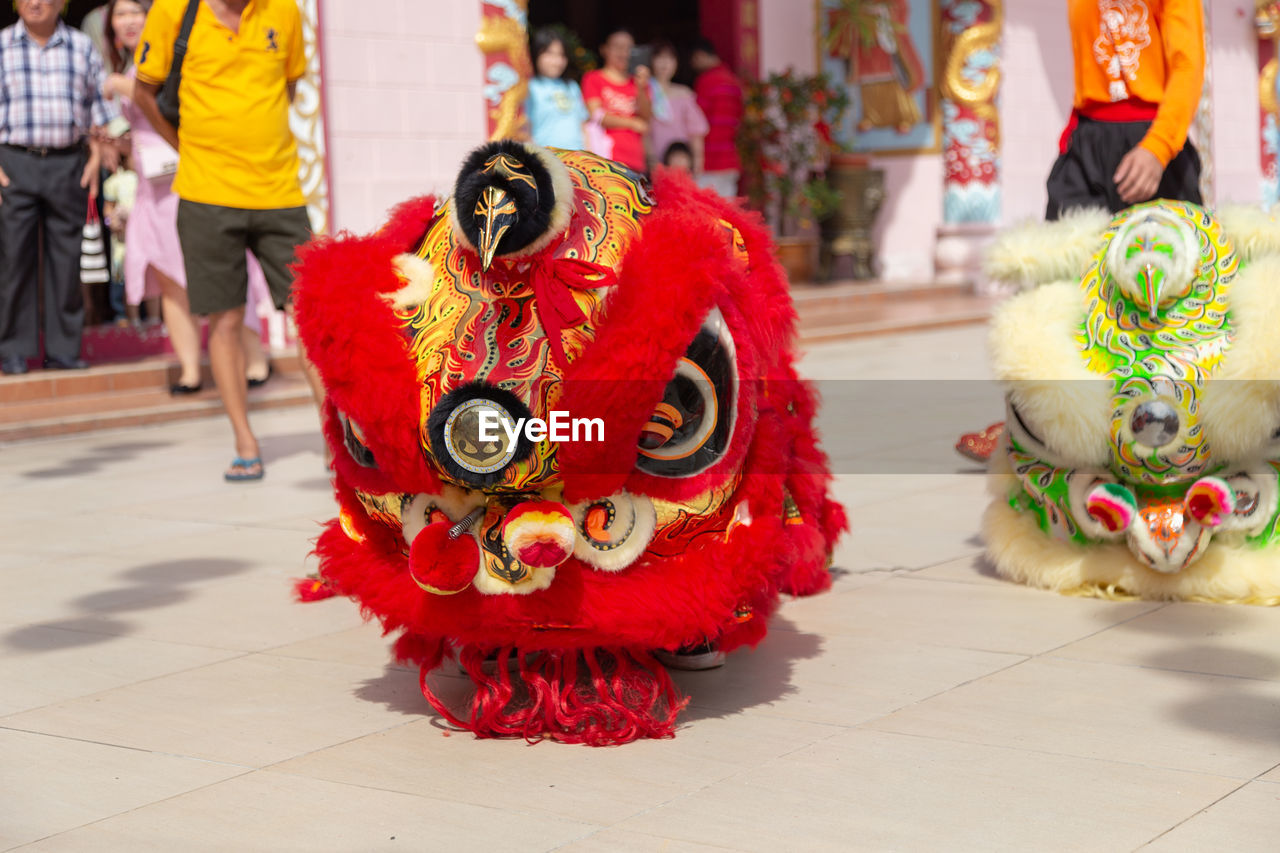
[[258, 383], [179, 389]]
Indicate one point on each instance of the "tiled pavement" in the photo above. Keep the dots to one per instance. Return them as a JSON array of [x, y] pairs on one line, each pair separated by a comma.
[[160, 692]]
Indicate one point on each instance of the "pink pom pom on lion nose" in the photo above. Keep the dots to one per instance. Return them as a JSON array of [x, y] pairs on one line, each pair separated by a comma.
[[1210, 501], [539, 533]]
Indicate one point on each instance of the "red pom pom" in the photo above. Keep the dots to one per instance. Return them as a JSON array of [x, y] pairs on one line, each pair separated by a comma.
[[442, 565]]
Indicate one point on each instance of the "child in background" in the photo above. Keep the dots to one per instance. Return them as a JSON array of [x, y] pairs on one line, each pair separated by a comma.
[[555, 107], [118, 192], [679, 157]]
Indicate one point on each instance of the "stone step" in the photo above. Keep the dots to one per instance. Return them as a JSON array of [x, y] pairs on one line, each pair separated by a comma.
[[156, 373], [48, 403], [815, 297], [827, 334], [853, 309]]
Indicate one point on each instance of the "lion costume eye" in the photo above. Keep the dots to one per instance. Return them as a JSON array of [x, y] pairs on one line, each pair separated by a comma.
[[690, 428], [1024, 433], [353, 439]]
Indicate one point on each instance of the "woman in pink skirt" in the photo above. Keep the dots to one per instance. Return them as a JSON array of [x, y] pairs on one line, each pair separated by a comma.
[[153, 257], [676, 114]]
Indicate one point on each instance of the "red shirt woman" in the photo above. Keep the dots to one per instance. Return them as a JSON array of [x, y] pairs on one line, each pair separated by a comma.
[[623, 99]]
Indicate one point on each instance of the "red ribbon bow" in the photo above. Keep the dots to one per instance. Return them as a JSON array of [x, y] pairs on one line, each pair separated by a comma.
[[553, 280]]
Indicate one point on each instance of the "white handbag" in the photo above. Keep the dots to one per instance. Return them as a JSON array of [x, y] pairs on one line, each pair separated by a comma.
[[93, 251], [155, 159]]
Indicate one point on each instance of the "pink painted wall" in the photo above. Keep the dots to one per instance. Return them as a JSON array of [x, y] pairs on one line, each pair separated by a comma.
[[1236, 147], [403, 80], [787, 36], [1035, 100]]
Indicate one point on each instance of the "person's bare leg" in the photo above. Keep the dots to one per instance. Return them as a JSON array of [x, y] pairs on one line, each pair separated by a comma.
[[226, 356], [255, 354], [184, 329], [317, 387], [313, 377]]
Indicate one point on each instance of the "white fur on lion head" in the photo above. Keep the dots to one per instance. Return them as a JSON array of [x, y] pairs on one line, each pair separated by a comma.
[[1035, 253]]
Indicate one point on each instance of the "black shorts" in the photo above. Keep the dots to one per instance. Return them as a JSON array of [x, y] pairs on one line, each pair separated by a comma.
[[1084, 176], [214, 239]]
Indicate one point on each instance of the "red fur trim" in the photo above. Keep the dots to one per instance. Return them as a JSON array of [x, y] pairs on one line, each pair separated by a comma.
[[350, 334], [407, 223], [627, 697], [621, 375]]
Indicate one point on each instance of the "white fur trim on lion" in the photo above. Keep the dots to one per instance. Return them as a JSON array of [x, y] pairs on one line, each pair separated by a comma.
[[1240, 404], [1035, 253], [1035, 351], [539, 578], [1254, 231], [418, 275]]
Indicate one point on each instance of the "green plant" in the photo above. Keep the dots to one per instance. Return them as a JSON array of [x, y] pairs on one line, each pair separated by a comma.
[[822, 199], [783, 142]]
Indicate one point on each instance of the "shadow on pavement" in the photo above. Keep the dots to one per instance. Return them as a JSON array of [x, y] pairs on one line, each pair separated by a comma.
[[95, 458], [147, 587]]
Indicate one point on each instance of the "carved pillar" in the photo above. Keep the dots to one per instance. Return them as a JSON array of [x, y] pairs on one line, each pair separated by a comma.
[[504, 40], [969, 83], [1267, 19], [1202, 125], [307, 121]]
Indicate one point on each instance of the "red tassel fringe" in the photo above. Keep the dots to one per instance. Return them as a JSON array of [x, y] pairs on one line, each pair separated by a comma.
[[312, 588], [623, 695]]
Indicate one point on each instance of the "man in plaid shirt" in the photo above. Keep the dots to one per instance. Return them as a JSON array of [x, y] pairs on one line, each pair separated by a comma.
[[50, 101]]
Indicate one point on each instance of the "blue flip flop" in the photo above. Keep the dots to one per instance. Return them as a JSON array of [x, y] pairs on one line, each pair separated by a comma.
[[246, 471]]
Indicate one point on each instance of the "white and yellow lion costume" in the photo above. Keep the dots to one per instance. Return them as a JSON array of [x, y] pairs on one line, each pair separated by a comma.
[[1142, 371]]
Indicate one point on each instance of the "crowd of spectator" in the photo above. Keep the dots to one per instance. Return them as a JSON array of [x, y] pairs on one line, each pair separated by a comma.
[[631, 109], [203, 224]]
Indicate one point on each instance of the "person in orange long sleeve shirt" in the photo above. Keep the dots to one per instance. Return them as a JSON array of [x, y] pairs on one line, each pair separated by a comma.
[[1139, 68]]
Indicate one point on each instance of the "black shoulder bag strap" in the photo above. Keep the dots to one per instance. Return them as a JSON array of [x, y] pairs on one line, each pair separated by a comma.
[[167, 97]]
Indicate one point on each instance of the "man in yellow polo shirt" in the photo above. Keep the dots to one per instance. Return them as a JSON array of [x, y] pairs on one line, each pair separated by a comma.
[[237, 179]]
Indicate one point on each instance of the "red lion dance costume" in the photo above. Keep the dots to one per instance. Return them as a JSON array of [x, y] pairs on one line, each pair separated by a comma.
[[553, 567]]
